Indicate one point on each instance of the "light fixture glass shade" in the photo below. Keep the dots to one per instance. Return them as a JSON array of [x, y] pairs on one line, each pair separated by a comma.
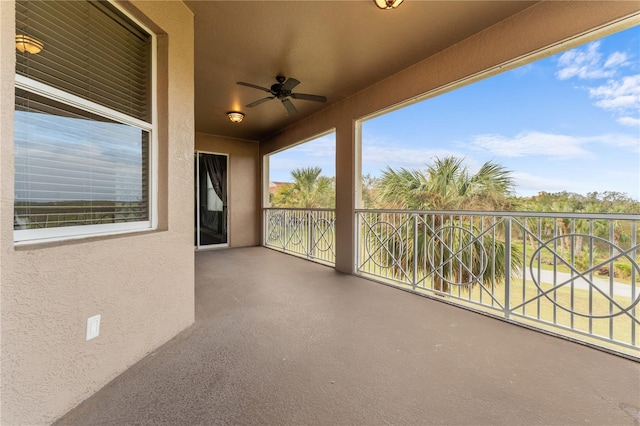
[[235, 117], [387, 4], [25, 43]]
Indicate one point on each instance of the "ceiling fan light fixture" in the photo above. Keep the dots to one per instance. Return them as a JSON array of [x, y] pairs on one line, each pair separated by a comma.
[[235, 117], [387, 4]]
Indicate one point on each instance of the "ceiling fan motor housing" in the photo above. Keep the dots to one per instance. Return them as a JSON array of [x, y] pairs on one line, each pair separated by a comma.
[[277, 91]]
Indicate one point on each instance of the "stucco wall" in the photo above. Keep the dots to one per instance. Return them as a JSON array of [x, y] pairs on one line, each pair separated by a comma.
[[498, 48], [141, 284], [244, 184]]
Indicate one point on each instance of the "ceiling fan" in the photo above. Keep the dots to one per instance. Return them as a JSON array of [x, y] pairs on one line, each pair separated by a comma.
[[282, 90]]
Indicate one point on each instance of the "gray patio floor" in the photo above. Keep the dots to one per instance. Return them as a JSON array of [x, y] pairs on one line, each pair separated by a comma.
[[279, 340]]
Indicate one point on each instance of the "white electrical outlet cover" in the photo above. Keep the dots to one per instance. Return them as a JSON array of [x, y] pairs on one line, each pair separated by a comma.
[[93, 327]]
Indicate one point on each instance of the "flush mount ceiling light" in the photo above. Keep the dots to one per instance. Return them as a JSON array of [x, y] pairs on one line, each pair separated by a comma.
[[387, 4], [25, 43], [235, 117]]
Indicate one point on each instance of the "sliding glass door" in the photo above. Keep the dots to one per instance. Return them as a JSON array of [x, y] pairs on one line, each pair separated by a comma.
[[211, 200]]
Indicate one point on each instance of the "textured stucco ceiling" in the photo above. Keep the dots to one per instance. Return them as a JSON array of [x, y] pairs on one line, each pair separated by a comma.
[[335, 48]]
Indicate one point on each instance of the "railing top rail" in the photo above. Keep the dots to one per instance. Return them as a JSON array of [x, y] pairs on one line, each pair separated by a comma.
[[300, 209], [609, 216]]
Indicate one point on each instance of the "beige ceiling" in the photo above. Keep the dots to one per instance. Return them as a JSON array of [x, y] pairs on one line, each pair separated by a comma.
[[335, 49]]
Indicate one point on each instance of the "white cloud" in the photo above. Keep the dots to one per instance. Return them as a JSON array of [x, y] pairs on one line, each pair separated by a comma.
[[616, 59], [587, 63], [548, 180], [629, 121], [530, 184], [618, 95], [621, 95], [628, 142], [531, 143], [549, 145], [324, 146], [523, 70], [377, 154], [319, 152]]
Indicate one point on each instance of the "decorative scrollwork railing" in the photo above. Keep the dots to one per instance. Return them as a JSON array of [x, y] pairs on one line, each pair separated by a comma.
[[308, 233], [572, 274]]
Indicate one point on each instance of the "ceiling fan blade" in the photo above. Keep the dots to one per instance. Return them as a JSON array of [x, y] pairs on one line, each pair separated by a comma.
[[290, 84], [259, 101], [291, 109], [264, 89], [305, 97]]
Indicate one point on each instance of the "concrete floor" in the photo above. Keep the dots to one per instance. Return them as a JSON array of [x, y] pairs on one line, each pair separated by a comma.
[[279, 340]]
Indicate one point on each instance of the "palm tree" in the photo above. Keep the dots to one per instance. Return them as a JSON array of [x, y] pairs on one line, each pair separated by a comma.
[[446, 249], [308, 190], [447, 185]]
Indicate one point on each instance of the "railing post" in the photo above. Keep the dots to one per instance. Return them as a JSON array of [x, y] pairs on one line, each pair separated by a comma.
[[507, 267], [285, 216], [415, 250], [357, 246], [310, 230]]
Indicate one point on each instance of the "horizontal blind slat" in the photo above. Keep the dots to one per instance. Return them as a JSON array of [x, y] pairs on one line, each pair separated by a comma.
[[88, 53]]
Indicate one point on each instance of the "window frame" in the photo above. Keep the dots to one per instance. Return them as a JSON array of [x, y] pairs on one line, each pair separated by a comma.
[[61, 233]]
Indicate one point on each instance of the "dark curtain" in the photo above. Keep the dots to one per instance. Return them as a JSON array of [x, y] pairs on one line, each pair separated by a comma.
[[216, 166]]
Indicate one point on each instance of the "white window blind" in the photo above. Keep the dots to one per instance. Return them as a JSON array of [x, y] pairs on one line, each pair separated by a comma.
[[82, 121], [90, 50]]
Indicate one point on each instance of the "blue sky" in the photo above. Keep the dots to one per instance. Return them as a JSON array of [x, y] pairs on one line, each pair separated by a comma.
[[569, 122]]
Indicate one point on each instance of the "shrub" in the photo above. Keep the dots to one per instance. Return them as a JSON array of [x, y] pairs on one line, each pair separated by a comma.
[[622, 270]]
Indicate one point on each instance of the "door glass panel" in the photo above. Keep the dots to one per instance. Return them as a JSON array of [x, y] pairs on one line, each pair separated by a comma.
[[211, 199]]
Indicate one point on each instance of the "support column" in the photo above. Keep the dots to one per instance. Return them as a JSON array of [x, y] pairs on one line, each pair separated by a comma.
[[346, 166]]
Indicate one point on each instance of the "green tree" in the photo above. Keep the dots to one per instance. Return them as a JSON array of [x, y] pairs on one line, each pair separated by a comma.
[[448, 185], [368, 186], [569, 202], [308, 190]]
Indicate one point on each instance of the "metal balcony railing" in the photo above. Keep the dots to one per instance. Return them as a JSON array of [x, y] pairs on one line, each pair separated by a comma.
[[570, 274], [307, 233], [573, 274]]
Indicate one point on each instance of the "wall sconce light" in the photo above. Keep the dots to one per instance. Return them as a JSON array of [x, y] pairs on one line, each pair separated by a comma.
[[25, 43], [387, 4], [235, 117]]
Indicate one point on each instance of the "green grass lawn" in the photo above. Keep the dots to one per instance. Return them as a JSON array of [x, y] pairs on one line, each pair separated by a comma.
[[541, 312], [546, 261]]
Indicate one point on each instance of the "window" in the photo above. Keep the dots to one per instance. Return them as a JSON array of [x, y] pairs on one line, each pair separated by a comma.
[[83, 128]]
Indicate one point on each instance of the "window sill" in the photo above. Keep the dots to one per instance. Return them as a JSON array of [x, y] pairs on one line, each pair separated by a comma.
[[81, 239]]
